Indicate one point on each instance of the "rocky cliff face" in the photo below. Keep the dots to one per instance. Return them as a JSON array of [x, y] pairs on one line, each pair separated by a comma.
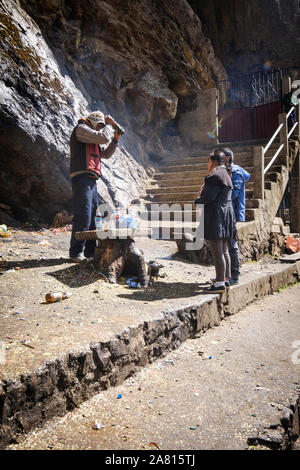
[[251, 36], [142, 61]]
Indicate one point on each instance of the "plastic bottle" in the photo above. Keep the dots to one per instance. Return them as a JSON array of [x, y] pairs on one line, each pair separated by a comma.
[[98, 219], [117, 217], [57, 296], [112, 222]]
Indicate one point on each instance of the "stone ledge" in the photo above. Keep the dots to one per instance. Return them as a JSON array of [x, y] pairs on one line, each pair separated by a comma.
[[285, 434], [60, 385]]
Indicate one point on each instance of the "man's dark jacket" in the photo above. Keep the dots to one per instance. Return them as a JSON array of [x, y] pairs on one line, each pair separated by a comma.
[[219, 220]]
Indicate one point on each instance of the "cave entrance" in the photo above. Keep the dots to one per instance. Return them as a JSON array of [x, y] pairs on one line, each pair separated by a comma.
[[249, 106]]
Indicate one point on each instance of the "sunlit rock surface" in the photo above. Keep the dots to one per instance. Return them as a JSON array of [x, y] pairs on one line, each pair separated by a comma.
[[144, 62]]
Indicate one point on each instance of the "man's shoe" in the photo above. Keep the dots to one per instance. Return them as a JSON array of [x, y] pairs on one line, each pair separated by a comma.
[[227, 283], [215, 290], [78, 259], [234, 282]]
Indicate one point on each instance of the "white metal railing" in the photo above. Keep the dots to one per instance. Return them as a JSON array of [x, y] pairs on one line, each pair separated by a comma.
[[290, 111], [273, 138], [274, 158], [260, 152], [293, 108], [292, 130]]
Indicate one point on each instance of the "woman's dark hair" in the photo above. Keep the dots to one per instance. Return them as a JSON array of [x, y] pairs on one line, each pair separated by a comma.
[[228, 153], [219, 156]]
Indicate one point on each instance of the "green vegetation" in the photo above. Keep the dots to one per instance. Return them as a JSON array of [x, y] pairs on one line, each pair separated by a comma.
[[11, 44]]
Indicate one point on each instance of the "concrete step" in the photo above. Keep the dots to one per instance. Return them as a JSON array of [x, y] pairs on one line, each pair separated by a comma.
[[163, 195], [180, 175], [270, 185], [173, 197], [173, 189], [251, 214], [245, 144], [176, 182], [254, 203], [275, 176], [187, 173], [183, 210], [204, 159], [180, 197], [198, 167]]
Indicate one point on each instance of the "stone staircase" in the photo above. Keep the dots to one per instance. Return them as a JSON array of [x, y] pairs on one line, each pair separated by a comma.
[[178, 182]]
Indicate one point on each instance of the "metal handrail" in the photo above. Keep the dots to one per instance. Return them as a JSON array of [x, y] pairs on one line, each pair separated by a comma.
[[272, 138], [292, 130], [290, 111], [274, 158], [266, 148]]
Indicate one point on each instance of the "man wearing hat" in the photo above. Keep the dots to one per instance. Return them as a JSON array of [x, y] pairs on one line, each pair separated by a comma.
[[92, 139]]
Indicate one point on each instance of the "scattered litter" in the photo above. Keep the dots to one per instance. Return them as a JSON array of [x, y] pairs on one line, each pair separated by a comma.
[[4, 232], [25, 343], [132, 282], [153, 444], [192, 428], [119, 396], [209, 357], [166, 361], [228, 350], [97, 425], [57, 296], [261, 388], [135, 285], [293, 244]]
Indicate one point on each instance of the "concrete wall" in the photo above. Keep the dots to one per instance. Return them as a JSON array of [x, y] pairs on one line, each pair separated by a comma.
[[195, 126]]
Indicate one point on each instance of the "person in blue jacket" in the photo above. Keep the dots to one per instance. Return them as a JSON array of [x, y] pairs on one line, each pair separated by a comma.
[[239, 178]]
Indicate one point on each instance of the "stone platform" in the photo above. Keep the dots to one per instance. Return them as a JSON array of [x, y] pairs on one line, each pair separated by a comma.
[[58, 355]]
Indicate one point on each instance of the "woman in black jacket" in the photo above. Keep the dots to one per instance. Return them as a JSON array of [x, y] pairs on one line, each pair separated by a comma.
[[219, 220]]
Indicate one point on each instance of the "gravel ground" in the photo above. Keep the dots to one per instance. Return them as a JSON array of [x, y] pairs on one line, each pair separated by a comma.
[[214, 392], [34, 263]]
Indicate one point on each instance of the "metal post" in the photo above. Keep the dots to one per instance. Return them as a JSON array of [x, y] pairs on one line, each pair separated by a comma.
[[283, 138], [286, 85], [259, 177], [298, 119], [250, 85]]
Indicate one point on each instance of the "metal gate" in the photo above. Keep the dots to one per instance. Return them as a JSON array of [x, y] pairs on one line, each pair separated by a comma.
[[249, 106]]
